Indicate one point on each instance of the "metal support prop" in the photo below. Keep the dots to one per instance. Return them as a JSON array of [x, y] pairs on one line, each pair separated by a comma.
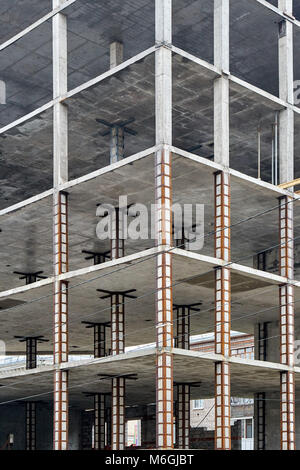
[[99, 337], [99, 421], [183, 416], [99, 340], [222, 312], [260, 428], [183, 391], [30, 425], [287, 334], [117, 347], [183, 313], [117, 343], [260, 398], [31, 353], [31, 349], [262, 341], [183, 327]]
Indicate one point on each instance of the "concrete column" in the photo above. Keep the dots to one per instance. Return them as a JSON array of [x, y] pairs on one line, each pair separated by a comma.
[[221, 85], [60, 151], [60, 112], [222, 312], [286, 93], [163, 228], [30, 425], [286, 292], [116, 54], [117, 133], [287, 319]]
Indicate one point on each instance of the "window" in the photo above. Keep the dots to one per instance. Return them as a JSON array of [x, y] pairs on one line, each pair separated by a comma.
[[198, 405], [133, 433], [249, 429]]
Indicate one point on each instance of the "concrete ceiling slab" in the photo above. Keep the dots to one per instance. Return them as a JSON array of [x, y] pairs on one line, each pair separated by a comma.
[[14, 19], [247, 377], [252, 299], [27, 148]]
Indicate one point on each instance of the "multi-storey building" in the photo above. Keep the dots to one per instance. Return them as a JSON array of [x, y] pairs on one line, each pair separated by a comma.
[[110, 113]]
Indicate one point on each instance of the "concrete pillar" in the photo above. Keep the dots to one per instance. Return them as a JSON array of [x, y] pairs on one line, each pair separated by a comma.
[[222, 312], [60, 174], [116, 54], [286, 93], [117, 147], [287, 319], [221, 85], [222, 225], [30, 425], [163, 226]]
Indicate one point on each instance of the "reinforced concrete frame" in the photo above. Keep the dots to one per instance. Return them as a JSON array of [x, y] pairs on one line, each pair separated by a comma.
[[164, 242]]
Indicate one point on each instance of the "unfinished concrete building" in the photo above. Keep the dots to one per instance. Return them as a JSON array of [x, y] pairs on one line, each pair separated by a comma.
[[187, 102]]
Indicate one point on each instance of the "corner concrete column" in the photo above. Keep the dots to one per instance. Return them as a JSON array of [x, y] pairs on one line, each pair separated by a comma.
[[222, 312], [221, 85], [60, 222], [286, 93], [222, 226], [163, 225], [287, 320]]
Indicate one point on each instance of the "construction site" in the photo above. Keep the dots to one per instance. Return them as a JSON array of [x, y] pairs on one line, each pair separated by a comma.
[[149, 182]]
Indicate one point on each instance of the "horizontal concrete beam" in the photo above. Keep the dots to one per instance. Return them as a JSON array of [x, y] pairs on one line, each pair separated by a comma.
[[95, 81], [254, 182], [26, 202], [107, 169]]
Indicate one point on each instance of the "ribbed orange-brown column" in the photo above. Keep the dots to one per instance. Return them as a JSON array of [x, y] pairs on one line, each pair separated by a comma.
[[60, 339], [222, 312], [287, 314]]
